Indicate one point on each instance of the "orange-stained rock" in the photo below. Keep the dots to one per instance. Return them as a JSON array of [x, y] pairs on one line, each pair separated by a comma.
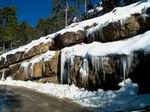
[[37, 70]]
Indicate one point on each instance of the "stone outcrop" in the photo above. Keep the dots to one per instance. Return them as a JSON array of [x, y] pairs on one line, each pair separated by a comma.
[[68, 39], [52, 66], [92, 14], [132, 26], [104, 65], [96, 72], [30, 70], [122, 29], [140, 74], [93, 72], [22, 55]]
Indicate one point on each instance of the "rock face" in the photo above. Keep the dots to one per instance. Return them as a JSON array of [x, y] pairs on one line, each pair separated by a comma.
[[134, 25], [68, 39], [97, 11], [93, 72], [104, 65], [96, 72], [34, 68], [21, 55], [140, 74], [122, 29]]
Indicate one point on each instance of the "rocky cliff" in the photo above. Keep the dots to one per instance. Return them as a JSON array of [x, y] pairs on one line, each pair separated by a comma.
[[72, 55]]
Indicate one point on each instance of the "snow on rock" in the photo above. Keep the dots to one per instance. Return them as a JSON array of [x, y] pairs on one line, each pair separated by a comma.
[[118, 47], [27, 47], [40, 66], [44, 57], [126, 98], [120, 13]]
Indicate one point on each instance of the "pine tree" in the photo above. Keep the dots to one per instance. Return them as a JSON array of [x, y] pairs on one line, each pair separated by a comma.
[[8, 22], [57, 6], [128, 2], [62, 11]]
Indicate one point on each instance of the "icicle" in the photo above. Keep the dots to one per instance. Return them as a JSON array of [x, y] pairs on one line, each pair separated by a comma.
[[97, 65], [124, 67], [69, 60], [84, 70], [144, 15], [30, 70], [65, 61], [147, 50], [93, 63], [25, 68], [3, 76], [104, 62], [122, 23], [126, 62]]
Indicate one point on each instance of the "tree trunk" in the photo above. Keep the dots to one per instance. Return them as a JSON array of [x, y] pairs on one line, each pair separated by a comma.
[[85, 6], [10, 45], [66, 14]]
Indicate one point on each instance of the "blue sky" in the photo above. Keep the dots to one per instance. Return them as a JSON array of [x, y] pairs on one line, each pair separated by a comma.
[[30, 10]]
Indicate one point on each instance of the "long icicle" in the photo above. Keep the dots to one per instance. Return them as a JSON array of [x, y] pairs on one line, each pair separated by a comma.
[[3, 76], [124, 64]]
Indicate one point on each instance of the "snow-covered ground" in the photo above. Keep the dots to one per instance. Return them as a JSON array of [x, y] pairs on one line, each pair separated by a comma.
[[125, 98]]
